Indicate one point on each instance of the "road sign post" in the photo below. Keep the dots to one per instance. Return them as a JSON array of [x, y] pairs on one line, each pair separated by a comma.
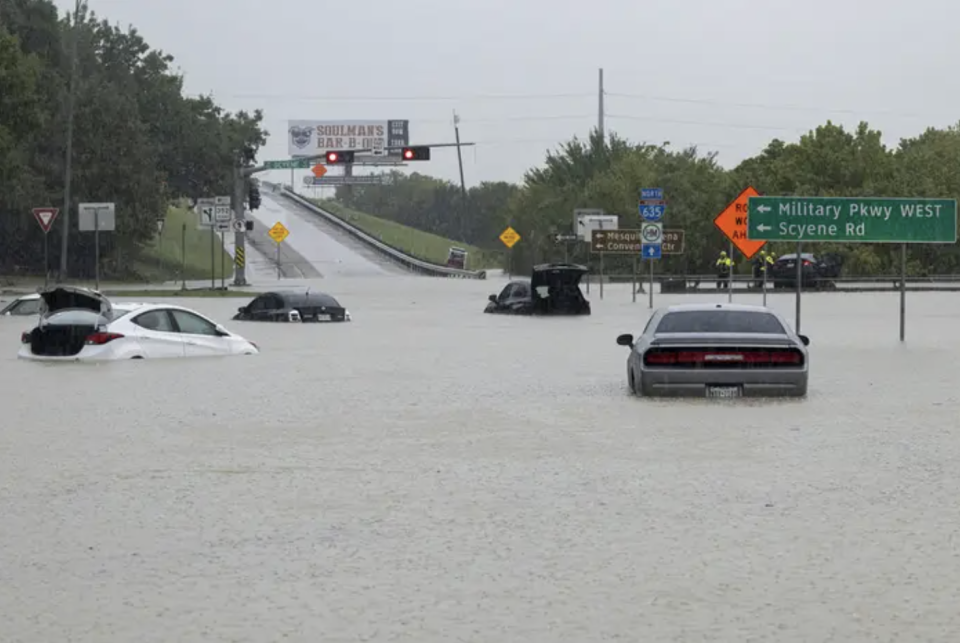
[[509, 237], [652, 207], [45, 217], [852, 220], [278, 233], [732, 222], [96, 217]]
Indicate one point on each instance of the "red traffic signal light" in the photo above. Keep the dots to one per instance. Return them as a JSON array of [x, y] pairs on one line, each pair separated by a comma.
[[415, 153], [339, 157]]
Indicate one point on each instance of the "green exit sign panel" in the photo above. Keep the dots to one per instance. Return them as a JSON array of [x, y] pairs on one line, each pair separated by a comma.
[[851, 220], [289, 164]]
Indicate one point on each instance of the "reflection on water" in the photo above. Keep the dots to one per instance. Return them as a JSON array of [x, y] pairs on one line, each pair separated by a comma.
[[431, 473]]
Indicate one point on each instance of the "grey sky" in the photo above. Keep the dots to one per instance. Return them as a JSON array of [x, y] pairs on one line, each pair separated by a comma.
[[684, 71]]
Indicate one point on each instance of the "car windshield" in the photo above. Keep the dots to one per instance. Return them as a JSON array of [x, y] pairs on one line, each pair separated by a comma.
[[720, 321], [75, 317]]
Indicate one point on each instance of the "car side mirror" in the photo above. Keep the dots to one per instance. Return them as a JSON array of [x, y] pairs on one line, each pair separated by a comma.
[[493, 298], [625, 340], [223, 332], [804, 339], [242, 310]]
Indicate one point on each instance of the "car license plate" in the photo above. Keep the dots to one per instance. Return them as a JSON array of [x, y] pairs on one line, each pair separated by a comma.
[[725, 392], [323, 317]]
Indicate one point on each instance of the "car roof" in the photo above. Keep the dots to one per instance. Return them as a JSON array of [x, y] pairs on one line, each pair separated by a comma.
[[746, 308], [304, 297], [128, 307], [29, 297]]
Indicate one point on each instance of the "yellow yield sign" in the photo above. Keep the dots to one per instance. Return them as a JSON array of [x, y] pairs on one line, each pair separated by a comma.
[[279, 232], [509, 237]]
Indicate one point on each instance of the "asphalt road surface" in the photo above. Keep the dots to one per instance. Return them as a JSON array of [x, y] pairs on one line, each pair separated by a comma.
[[314, 245]]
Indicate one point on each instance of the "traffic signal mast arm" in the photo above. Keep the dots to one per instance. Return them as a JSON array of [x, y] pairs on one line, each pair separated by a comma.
[[250, 171]]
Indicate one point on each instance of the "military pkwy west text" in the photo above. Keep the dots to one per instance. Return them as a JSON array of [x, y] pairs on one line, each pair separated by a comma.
[[850, 219]]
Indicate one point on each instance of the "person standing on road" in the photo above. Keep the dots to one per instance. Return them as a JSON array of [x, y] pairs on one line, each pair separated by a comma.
[[724, 266], [762, 264]]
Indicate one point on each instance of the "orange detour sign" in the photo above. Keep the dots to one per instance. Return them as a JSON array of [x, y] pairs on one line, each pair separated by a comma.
[[319, 170], [732, 222]]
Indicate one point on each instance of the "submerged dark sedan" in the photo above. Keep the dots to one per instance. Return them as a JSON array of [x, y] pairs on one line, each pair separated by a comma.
[[553, 289], [293, 306]]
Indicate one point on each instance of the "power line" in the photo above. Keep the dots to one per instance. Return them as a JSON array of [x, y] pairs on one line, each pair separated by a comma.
[[766, 106], [359, 99], [708, 123]]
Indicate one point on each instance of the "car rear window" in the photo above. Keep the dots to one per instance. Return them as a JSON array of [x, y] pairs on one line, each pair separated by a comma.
[[720, 321]]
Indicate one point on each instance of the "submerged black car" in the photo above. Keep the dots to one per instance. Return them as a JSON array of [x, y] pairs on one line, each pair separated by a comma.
[[553, 289], [293, 306], [816, 271]]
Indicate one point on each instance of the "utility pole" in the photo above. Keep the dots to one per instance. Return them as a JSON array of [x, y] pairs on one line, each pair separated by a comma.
[[463, 184], [68, 163], [600, 108]]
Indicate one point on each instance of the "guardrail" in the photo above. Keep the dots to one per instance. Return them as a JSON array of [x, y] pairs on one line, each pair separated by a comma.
[[397, 256], [678, 284]]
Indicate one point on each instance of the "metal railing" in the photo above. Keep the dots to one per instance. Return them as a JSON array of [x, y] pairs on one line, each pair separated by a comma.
[[679, 283], [412, 264]]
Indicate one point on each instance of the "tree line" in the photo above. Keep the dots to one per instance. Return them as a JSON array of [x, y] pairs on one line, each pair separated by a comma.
[[607, 172], [138, 141]]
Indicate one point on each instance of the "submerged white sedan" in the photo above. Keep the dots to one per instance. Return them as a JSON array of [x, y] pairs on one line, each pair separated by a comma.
[[77, 324]]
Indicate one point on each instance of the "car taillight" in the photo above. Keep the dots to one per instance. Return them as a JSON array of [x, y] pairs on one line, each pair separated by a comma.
[[660, 358], [25, 338], [99, 339], [718, 358], [806, 263]]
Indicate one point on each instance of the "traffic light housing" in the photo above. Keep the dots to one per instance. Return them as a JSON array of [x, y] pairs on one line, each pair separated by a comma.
[[253, 196], [339, 157], [415, 153]]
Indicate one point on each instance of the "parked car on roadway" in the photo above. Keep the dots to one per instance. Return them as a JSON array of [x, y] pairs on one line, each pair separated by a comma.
[[717, 350], [22, 306], [553, 289], [77, 324], [815, 271], [293, 306]]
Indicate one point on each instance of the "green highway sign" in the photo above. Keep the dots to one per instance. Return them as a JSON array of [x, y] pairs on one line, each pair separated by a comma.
[[289, 164], [851, 220]]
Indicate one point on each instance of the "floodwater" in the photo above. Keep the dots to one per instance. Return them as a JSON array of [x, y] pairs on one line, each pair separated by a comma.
[[431, 474]]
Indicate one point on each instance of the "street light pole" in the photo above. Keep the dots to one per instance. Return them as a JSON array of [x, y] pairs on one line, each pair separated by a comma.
[[68, 163]]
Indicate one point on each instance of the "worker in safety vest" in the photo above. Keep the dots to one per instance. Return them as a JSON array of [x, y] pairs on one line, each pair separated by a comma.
[[762, 263], [724, 266]]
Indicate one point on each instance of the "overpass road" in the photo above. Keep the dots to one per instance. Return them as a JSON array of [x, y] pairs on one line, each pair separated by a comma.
[[315, 248]]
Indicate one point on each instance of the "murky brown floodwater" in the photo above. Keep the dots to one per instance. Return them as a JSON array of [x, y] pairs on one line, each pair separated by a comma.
[[431, 474]]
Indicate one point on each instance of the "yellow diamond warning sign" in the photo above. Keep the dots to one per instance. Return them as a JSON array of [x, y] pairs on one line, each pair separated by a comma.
[[509, 237], [278, 232]]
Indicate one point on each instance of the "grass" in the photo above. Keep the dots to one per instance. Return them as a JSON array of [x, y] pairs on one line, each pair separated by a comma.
[[417, 243], [163, 260]]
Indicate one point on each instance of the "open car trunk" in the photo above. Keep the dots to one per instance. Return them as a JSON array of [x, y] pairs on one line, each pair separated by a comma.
[[556, 290], [68, 317]]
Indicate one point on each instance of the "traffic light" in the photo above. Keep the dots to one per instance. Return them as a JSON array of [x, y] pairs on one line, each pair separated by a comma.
[[253, 195], [334, 158], [415, 153]]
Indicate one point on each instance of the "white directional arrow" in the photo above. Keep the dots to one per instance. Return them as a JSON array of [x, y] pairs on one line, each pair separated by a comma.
[[764, 228], [763, 208]]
